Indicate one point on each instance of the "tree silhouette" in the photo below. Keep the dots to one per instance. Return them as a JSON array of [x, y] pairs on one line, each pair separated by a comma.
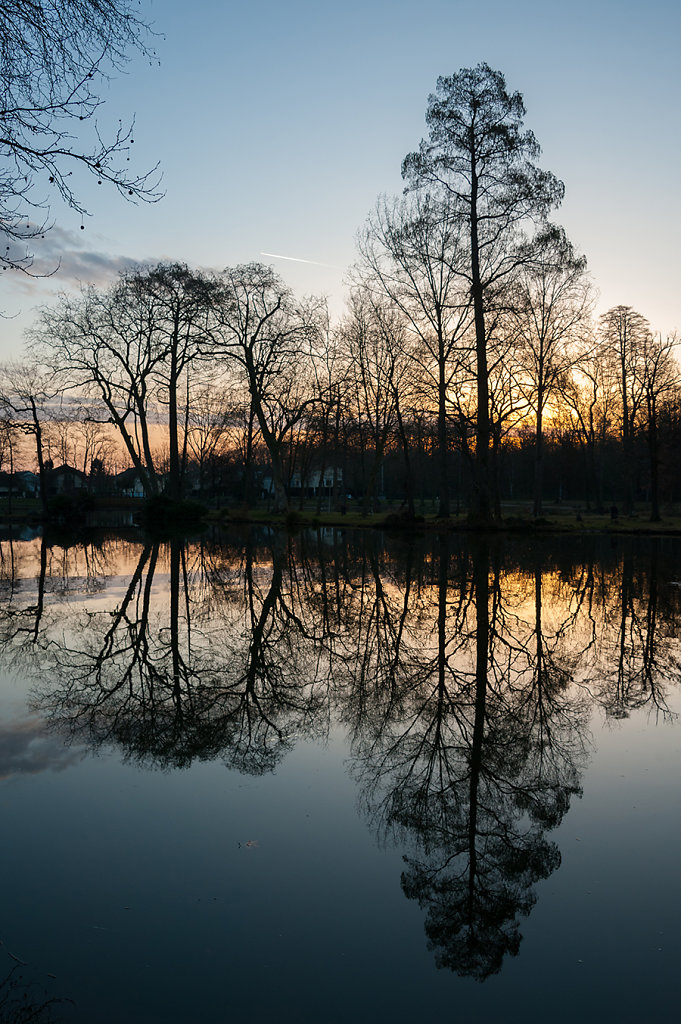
[[477, 765], [169, 691], [54, 61], [480, 156], [637, 659]]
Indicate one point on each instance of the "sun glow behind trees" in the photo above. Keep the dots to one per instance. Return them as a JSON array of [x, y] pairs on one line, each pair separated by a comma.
[[468, 342]]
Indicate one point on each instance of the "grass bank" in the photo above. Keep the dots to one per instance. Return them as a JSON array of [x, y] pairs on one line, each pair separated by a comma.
[[513, 520]]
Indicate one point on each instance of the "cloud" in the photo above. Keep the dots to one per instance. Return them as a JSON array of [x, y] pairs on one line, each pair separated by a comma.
[[61, 258], [25, 749]]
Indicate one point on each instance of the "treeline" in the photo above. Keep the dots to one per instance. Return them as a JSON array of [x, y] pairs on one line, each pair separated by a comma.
[[468, 368]]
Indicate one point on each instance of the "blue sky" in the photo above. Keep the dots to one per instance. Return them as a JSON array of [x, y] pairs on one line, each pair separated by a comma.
[[277, 125]]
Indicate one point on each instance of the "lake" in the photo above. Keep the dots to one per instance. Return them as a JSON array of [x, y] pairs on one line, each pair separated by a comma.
[[340, 777]]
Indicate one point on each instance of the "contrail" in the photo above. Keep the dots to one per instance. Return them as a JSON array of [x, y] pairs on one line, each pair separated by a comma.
[[295, 259]]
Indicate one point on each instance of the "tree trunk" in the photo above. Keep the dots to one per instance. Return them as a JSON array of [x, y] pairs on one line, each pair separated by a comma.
[[481, 589], [539, 458], [654, 467], [444, 510], [248, 459], [408, 482], [42, 475], [174, 458], [481, 511]]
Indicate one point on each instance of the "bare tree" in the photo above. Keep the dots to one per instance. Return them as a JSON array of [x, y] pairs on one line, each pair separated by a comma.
[[102, 346], [8, 447], [272, 340], [480, 156], [372, 367], [661, 381], [585, 409], [332, 383], [26, 394], [131, 347], [54, 61], [508, 406], [210, 411], [180, 304], [412, 251], [95, 441], [551, 303], [625, 334]]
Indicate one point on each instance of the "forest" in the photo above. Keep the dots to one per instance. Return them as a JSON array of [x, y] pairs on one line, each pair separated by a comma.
[[469, 370]]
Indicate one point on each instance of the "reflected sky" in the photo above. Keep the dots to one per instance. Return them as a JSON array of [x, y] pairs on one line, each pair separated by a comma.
[[420, 764], [25, 749]]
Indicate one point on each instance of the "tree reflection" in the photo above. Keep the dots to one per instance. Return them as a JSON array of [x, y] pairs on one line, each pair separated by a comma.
[[464, 676], [35, 573], [23, 1001], [146, 678], [20, 623], [639, 655], [481, 766]]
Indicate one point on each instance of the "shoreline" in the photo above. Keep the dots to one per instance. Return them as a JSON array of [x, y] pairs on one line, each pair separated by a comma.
[[191, 516]]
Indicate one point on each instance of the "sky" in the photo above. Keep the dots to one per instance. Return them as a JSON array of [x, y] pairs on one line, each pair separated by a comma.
[[278, 123]]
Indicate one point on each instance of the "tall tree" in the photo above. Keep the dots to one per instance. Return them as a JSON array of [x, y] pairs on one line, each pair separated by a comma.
[[372, 356], [661, 381], [128, 347], [412, 252], [181, 305], [479, 154], [551, 303], [272, 339], [26, 393], [102, 345], [625, 335]]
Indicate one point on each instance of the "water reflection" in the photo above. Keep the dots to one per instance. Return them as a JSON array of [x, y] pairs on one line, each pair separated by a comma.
[[200, 659], [640, 626], [23, 999], [465, 676], [26, 750], [475, 761]]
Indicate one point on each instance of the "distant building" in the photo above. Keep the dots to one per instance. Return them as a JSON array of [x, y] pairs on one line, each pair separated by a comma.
[[22, 485], [66, 480], [129, 483], [26, 484], [312, 482]]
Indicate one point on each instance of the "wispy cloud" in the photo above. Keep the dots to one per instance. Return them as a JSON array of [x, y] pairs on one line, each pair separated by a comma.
[[68, 259], [25, 749]]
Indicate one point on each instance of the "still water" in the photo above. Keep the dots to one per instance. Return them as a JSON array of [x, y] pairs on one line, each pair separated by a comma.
[[340, 777]]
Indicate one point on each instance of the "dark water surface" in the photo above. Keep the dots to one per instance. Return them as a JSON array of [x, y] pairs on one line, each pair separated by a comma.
[[340, 777]]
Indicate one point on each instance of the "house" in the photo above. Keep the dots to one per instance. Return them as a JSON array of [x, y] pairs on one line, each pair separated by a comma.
[[313, 481], [129, 483], [310, 483], [27, 484], [65, 480], [23, 485]]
